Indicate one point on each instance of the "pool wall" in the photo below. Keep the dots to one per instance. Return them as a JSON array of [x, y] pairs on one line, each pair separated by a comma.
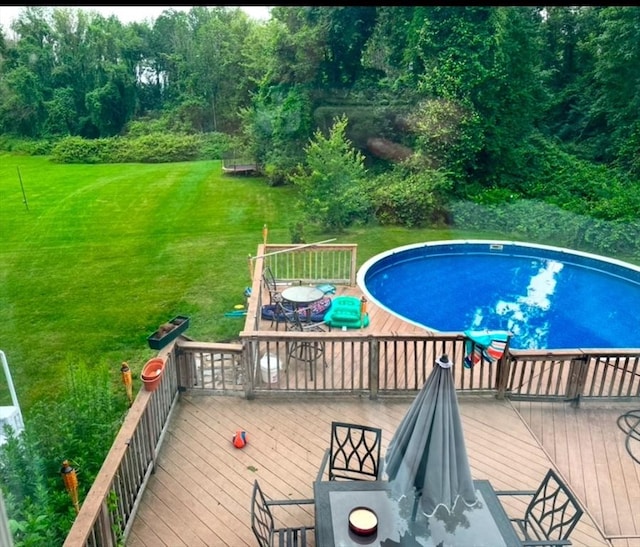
[[376, 279]]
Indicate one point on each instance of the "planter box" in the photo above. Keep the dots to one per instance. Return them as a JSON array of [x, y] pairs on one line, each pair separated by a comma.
[[161, 338]]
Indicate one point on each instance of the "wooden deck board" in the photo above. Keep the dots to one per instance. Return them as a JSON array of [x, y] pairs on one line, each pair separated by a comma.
[[200, 491], [600, 471]]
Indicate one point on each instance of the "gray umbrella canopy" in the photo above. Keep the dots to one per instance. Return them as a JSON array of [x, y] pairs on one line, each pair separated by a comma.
[[427, 457]]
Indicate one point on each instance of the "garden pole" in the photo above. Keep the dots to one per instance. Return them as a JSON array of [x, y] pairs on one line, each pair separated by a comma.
[[24, 195]]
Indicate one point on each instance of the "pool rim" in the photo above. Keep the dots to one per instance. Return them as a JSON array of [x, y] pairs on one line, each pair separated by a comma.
[[362, 271]]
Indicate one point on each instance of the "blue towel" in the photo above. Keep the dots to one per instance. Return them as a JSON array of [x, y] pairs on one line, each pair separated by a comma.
[[327, 288], [487, 344]]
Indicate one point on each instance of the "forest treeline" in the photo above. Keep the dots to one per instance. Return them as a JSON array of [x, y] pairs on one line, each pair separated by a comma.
[[487, 104]]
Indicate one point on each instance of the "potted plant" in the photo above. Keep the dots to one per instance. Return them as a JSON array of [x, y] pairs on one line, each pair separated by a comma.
[[169, 331]]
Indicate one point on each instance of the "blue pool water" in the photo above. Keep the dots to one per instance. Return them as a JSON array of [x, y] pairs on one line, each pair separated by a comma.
[[547, 297]]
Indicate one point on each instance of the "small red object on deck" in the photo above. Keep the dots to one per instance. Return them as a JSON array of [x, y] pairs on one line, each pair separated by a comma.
[[239, 439]]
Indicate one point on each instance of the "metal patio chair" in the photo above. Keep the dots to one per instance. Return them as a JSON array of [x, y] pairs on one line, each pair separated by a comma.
[[309, 352], [263, 522], [354, 453], [551, 514], [274, 286]]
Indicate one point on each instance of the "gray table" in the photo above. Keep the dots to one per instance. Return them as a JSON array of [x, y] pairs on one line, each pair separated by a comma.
[[484, 525], [301, 295]]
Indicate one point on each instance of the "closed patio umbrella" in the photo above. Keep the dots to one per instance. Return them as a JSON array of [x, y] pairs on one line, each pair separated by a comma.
[[427, 457]]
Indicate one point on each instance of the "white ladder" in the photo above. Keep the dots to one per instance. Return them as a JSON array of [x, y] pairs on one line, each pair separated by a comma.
[[11, 415]]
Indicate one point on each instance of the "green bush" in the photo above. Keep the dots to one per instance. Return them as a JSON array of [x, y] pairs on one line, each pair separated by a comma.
[[26, 146], [535, 220], [214, 146], [160, 148], [77, 150], [330, 180], [276, 129], [151, 148], [142, 145], [78, 425], [411, 198]]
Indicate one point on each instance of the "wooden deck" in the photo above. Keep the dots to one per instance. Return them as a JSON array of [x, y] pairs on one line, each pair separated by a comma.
[[379, 319], [240, 168], [588, 447], [200, 492]]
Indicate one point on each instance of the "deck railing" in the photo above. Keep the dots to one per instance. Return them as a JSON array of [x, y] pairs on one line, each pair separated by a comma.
[[372, 365], [572, 375], [357, 362], [361, 364], [309, 263], [109, 507]]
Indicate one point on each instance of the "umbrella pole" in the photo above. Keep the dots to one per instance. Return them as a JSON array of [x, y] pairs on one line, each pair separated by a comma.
[[416, 501]]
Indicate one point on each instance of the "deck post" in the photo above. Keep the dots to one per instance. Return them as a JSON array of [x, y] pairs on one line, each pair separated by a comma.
[[374, 367], [354, 268], [186, 377], [502, 378], [249, 356], [576, 380]]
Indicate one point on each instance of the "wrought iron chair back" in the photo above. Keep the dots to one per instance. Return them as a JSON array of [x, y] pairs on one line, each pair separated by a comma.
[[354, 453], [264, 526], [551, 515], [273, 285]]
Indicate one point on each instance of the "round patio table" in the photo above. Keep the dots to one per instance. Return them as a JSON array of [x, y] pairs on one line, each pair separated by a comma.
[[300, 295]]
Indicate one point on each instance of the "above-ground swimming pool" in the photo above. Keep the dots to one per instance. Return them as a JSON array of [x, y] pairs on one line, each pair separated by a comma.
[[547, 297]]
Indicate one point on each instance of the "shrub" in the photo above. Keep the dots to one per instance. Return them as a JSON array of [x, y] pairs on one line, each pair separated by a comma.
[[151, 148], [76, 150], [79, 425], [411, 198], [26, 146], [214, 146], [535, 220], [330, 179]]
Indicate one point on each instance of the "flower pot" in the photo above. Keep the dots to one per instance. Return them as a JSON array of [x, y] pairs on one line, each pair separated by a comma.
[[152, 373], [168, 332]]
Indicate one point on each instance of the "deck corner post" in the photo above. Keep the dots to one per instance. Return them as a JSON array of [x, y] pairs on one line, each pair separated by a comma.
[[577, 377], [502, 378], [249, 356], [185, 377]]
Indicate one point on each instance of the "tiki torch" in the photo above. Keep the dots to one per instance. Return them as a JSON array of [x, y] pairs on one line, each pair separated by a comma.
[[70, 480], [265, 232], [127, 381], [363, 310]]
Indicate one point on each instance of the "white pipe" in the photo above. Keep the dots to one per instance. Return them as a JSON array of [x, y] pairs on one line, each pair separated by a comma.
[[5, 533], [293, 249], [7, 373]]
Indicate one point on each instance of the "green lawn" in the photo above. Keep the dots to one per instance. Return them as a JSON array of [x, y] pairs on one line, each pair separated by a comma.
[[105, 253]]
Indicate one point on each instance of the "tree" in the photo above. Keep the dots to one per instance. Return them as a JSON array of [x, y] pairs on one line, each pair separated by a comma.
[[277, 126], [614, 92], [22, 103], [485, 59], [330, 182]]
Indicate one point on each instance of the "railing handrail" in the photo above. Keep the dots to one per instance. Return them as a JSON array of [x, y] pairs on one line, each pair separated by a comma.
[[108, 510]]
